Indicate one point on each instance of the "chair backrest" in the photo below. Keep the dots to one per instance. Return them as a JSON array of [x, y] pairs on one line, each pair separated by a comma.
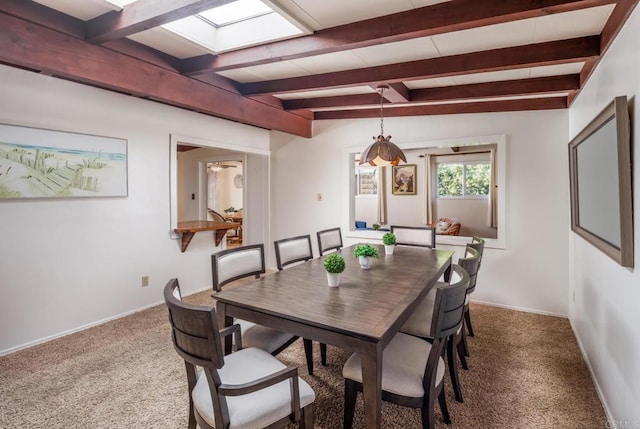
[[292, 250], [471, 264], [234, 264], [329, 239], [194, 330], [422, 236], [449, 304], [478, 244], [216, 216]]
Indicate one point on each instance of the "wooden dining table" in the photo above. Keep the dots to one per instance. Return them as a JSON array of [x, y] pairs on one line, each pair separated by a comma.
[[361, 315]]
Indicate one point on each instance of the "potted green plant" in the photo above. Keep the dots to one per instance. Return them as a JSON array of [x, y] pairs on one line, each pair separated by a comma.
[[389, 241], [376, 226], [365, 254], [334, 264], [230, 210]]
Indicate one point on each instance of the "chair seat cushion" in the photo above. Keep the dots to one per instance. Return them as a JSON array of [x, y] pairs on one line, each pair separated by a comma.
[[254, 410], [419, 323], [262, 337], [403, 364]]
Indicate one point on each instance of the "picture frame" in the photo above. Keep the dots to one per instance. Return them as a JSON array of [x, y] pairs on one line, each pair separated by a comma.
[[601, 183], [404, 179], [38, 163]]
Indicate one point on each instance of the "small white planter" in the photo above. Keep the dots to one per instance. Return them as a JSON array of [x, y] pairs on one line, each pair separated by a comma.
[[333, 279], [365, 262], [388, 248]]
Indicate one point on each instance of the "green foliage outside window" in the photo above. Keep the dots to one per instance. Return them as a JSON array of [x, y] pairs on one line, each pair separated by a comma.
[[450, 180], [463, 179]]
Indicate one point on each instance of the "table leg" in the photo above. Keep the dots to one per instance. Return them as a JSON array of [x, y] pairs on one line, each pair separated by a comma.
[[223, 322], [372, 386]]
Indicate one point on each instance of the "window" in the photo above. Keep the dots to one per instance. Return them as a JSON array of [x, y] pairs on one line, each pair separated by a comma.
[[366, 181], [463, 179]]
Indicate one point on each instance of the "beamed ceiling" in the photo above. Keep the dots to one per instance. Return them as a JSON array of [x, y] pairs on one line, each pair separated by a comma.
[[437, 57]]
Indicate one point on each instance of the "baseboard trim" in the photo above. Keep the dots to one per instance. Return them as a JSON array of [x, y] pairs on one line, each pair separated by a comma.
[[83, 327], [603, 400], [523, 309]]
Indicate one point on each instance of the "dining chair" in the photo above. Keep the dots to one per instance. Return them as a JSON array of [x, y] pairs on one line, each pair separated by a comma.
[[248, 388], [422, 236], [329, 239], [418, 323], [248, 261], [412, 368], [477, 243], [293, 250]]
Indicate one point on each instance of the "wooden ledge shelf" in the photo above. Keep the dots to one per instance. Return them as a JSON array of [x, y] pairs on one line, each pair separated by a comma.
[[189, 228]]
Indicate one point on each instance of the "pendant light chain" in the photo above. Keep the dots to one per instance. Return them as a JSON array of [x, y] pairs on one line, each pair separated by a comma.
[[382, 88]]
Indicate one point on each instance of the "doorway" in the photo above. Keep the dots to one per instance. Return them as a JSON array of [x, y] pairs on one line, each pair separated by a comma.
[[224, 193]]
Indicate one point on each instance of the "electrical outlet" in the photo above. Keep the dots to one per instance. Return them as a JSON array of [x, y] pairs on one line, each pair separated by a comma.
[[145, 281], [319, 197]]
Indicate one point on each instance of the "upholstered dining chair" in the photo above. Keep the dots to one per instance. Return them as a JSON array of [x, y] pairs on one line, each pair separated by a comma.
[[422, 236], [477, 243], [418, 323], [246, 389], [412, 368], [329, 239], [248, 261], [289, 251], [293, 249]]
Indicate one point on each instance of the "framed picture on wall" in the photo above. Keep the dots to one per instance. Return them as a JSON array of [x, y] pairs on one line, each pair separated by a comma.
[[404, 179], [39, 163]]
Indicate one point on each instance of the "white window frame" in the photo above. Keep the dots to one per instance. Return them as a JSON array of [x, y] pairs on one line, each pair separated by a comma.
[[464, 181]]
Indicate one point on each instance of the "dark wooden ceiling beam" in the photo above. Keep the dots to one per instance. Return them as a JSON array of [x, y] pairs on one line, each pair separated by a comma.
[[611, 29], [143, 15], [441, 18], [396, 92], [546, 103], [37, 13], [540, 54], [338, 101], [541, 85], [27, 45]]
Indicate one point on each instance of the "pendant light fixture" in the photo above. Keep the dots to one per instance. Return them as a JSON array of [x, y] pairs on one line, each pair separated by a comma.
[[382, 151]]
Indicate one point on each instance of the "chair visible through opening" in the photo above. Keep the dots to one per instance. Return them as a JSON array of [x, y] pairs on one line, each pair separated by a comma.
[[422, 236]]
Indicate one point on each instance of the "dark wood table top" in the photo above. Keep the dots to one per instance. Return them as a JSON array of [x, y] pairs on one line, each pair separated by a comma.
[[366, 304]]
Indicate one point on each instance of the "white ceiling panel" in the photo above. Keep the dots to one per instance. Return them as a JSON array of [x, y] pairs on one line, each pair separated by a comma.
[[568, 25], [166, 41], [492, 76], [327, 63], [334, 92], [430, 83], [81, 9], [330, 13], [398, 52], [485, 38], [263, 72], [557, 70]]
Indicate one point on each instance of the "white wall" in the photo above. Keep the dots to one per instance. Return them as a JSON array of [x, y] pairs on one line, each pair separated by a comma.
[[65, 264], [531, 273], [604, 297]]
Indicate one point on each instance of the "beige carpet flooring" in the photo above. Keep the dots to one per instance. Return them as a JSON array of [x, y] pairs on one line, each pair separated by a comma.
[[525, 372]]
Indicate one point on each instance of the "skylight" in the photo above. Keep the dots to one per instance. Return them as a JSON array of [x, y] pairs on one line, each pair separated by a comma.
[[120, 3], [238, 24], [235, 12]]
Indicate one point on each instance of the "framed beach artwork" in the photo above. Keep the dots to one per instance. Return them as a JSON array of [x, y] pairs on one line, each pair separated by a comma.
[[404, 179], [38, 163]]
